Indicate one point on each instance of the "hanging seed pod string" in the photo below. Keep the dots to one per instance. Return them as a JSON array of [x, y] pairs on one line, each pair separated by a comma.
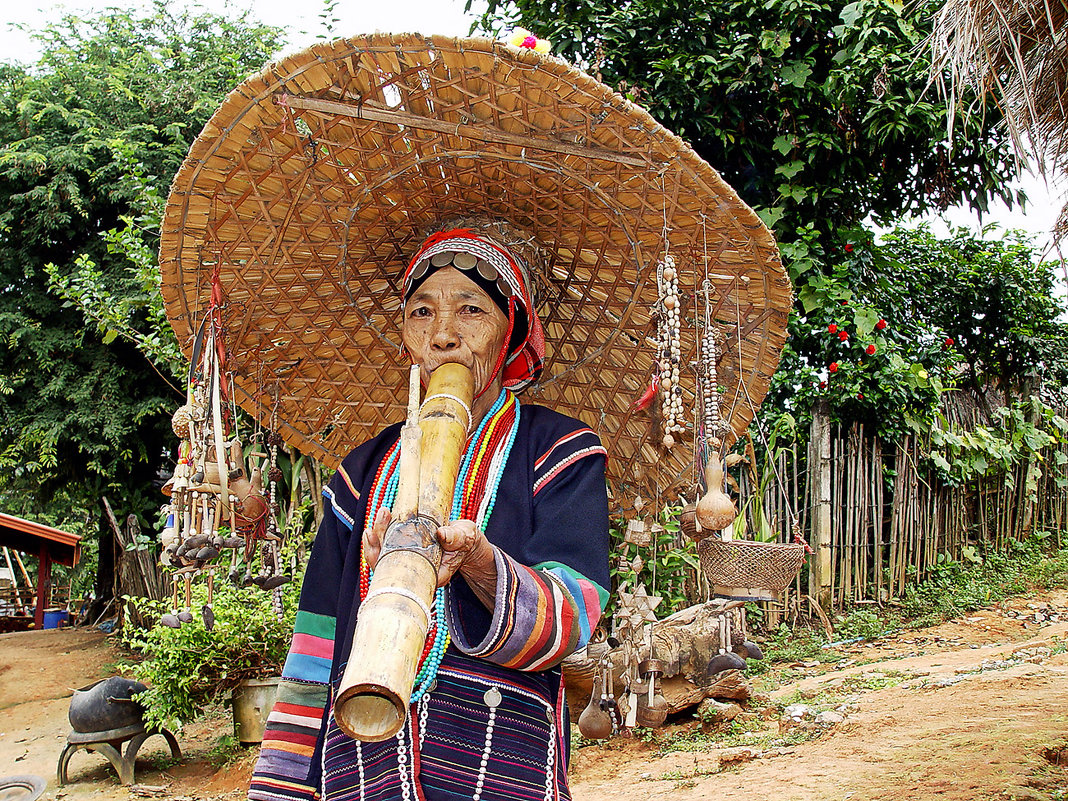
[[712, 421], [274, 476], [669, 347]]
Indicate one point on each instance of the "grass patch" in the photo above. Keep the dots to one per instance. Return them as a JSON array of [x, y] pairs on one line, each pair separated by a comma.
[[224, 750], [834, 696], [955, 588], [952, 589]]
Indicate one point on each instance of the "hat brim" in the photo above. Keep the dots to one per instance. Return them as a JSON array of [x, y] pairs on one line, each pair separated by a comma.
[[309, 189]]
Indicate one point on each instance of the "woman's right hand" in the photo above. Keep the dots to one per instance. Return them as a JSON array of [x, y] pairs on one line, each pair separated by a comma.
[[373, 536]]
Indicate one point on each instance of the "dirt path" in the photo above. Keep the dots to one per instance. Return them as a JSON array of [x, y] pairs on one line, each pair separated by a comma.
[[961, 711], [967, 717]]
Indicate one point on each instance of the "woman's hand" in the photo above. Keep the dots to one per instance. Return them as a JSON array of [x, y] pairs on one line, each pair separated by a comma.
[[373, 536], [465, 550]]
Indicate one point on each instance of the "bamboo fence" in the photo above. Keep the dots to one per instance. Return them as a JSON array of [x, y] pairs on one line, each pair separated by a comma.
[[891, 516]]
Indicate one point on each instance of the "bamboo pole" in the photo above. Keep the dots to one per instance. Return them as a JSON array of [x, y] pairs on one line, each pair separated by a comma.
[[848, 476], [394, 618], [22, 567], [820, 566], [863, 535], [14, 581], [877, 544]]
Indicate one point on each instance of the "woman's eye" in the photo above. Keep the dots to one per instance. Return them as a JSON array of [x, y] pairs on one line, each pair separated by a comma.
[[470, 308], [419, 311]]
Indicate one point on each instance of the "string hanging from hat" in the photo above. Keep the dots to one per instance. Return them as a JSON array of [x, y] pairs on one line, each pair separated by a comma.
[[714, 424]]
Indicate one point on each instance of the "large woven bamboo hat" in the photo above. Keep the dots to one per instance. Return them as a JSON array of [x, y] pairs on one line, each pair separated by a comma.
[[309, 190]]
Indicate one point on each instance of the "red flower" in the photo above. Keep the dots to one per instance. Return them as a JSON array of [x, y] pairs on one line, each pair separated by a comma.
[[832, 328], [948, 343], [833, 367], [843, 335], [870, 350], [529, 42], [879, 326], [848, 247], [844, 302], [823, 385], [860, 396]]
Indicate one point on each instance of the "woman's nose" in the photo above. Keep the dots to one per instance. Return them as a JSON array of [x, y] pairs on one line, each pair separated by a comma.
[[445, 336]]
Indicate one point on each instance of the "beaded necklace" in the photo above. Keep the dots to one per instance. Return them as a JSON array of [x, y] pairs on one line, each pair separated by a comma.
[[479, 476]]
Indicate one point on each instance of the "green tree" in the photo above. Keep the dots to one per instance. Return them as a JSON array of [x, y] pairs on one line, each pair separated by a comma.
[[813, 111], [90, 138], [987, 297], [816, 113], [896, 321]]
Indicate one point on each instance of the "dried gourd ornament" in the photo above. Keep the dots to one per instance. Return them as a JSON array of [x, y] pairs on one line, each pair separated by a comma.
[[715, 510]]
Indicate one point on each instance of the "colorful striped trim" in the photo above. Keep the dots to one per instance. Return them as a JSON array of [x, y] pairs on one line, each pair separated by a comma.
[[536, 620], [312, 650], [590, 597], [293, 727], [266, 789], [562, 441], [341, 513], [567, 461], [348, 482]]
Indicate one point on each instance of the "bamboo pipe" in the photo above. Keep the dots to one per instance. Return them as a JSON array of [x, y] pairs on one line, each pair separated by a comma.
[[394, 618]]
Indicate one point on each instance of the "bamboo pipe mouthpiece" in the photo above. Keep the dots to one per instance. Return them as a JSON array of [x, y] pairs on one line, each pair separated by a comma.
[[392, 624]]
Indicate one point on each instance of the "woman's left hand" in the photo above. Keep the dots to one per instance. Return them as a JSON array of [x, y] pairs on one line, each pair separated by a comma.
[[465, 550]]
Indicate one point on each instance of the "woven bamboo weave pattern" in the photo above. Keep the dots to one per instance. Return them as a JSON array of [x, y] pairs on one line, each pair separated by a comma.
[[746, 563], [311, 187]]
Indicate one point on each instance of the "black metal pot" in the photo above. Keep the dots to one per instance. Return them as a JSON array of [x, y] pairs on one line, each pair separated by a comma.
[[106, 705]]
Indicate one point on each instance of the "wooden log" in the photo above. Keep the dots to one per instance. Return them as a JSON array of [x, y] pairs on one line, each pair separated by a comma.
[[686, 642]]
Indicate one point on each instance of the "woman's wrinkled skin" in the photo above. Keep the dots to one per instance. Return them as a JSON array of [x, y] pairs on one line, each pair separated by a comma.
[[450, 319]]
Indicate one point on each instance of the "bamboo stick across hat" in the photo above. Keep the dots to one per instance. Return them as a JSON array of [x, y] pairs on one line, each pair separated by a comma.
[[308, 193]]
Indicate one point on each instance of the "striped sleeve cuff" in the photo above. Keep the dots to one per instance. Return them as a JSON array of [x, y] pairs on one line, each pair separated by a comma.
[[540, 616], [284, 769]]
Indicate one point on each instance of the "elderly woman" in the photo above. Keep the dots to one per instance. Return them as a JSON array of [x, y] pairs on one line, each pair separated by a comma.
[[523, 576]]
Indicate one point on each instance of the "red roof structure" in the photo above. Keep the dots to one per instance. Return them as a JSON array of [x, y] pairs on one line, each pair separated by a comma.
[[48, 544]]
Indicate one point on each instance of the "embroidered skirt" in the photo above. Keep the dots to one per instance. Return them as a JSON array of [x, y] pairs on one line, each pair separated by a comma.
[[483, 733]]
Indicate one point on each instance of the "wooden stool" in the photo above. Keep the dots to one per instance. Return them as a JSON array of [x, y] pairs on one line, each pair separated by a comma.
[[110, 744]]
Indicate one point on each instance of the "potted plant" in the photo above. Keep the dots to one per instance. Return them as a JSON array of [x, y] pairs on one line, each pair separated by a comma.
[[191, 667]]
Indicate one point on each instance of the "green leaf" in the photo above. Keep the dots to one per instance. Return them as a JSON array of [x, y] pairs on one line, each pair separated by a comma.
[[784, 144], [790, 169], [865, 319], [770, 215], [793, 191], [851, 13], [808, 298], [796, 74]]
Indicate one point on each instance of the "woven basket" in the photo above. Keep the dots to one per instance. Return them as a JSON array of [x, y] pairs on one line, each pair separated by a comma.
[[750, 565]]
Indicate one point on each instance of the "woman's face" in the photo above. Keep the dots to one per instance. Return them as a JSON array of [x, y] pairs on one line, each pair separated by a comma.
[[449, 318]]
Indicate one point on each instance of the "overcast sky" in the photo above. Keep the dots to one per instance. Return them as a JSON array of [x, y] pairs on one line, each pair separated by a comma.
[[302, 23]]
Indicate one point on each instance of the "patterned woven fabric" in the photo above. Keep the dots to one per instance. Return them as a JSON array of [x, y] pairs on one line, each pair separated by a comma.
[[444, 741]]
